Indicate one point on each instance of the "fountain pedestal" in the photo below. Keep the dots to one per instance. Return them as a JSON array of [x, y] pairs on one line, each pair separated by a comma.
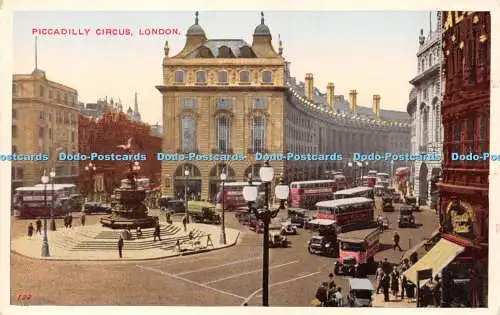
[[129, 210]]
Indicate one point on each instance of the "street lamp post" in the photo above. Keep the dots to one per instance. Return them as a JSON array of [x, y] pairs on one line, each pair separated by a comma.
[[52, 175], [186, 173], [392, 173], [250, 194], [91, 168], [136, 167], [360, 170], [223, 177], [350, 165], [45, 242]]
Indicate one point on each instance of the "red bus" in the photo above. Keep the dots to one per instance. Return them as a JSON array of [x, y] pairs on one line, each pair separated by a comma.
[[233, 194], [305, 194], [347, 213], [366, 192], [33, 202]]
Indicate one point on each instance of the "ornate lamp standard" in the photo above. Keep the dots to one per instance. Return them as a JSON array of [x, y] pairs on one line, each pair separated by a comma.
[[360, 168], [52, 175], [250, 194], [223, 178], [186, 173], [45, 243], [91, 169]]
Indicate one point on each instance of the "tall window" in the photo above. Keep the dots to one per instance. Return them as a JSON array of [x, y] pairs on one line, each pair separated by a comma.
[[14, 89], [65, 98], [14, 149], [51, 94], [244, 76], [223, 133], [179, 76], [222, 77], [58, 97], [188, 134], [469, 140], [14, 131], [422, 65], [267, 77], [14, 113], [201, 77], [437, 129], [259, 134], [483, 135], [425, 125], [42, 91], [431, 60], [457, 132], [41, 132]]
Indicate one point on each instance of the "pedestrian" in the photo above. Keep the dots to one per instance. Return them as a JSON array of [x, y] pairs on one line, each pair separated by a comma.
[[66, 220], [169, 219], [82, 219], [395, 283], [339, 298], [70, 220], [156, 233], [184, 223], [386, 266], [322, 293], [436, 292], [378, 275], [396, 239], [120, 246], [38, 225], [404, 284], [30, 230], [385, 286]]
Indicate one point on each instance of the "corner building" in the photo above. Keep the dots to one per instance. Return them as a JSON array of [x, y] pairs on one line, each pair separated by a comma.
[[44, 120], [464, 213], [225, 96]]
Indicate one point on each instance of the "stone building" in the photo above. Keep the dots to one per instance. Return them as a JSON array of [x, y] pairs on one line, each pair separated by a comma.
[[424, 108], [97, 109], [226, 96], [102, 135], [44, 120]]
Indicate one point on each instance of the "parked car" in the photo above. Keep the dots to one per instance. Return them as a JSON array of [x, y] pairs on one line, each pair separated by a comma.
[[96, 207], [300, 217]]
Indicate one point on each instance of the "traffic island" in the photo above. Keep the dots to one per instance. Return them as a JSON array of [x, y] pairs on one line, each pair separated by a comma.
[[97, 243]]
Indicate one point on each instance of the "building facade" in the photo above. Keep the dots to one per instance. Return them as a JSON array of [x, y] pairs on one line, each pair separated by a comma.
[[44, 120], [466, 119], [424, 108], [233, 100], [103, 135], [97, 109]]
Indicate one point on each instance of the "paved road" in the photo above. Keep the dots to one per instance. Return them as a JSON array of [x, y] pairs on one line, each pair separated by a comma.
[[226, 277]]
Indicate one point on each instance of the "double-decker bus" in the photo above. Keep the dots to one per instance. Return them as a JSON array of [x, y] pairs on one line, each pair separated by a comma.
[[32, 202], [233, 194], [366, 192], [347, 213], [67, 189], [341, 181], [372, 173], [305, 194]]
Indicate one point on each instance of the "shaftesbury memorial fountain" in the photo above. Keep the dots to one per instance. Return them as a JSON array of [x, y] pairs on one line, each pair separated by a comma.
[[129, 210]]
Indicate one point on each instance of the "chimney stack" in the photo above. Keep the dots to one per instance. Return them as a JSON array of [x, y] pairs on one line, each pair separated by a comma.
[[330, 94], [309, 86], [376, 105], [353, 100]]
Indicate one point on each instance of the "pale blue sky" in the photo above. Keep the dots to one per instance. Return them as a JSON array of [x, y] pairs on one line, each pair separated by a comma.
[[372, 52]]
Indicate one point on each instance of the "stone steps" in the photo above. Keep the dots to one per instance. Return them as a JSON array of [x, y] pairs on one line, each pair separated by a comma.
[[164, 230], [73, 244]]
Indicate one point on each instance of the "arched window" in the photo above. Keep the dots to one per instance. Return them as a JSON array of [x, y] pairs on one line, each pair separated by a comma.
[[244, 76], [422, 65], [188, 134], [259, 134], [431, 60], [223, 133], [179, 76]]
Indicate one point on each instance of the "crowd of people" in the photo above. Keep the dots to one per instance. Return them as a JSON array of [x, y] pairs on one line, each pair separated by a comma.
[[328, 294]]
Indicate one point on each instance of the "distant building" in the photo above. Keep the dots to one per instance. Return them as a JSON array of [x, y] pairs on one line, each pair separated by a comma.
[[98, 108], [44, 120], [424, 108]]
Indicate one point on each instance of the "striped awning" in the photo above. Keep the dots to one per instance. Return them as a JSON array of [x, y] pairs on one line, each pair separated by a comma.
[[437, 258]]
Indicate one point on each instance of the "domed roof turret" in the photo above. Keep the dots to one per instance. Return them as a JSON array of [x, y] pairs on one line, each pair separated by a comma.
[[195, 29], [262, 29]]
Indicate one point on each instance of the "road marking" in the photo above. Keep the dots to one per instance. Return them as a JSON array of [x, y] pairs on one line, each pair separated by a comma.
[[189, 281], [258, 292], [250, 272], [218, 266]]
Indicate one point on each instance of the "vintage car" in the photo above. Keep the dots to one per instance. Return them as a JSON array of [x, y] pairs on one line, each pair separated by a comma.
[[206, 215], [357, 251], [396, 196], [359, 292], [406, 218], [276, 239], [387, 205], [300, 217], [379, 190], [96, 207], [170, 204], [412, 201], [287, 228], [325, 243]]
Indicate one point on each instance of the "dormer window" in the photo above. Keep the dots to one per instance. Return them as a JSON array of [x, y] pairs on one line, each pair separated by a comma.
[[267, 77], [222, 77], [179, 76], [244, 77], [201, 77]]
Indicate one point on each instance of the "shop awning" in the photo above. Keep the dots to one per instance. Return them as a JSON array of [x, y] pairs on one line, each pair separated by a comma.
[[437, 258]]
